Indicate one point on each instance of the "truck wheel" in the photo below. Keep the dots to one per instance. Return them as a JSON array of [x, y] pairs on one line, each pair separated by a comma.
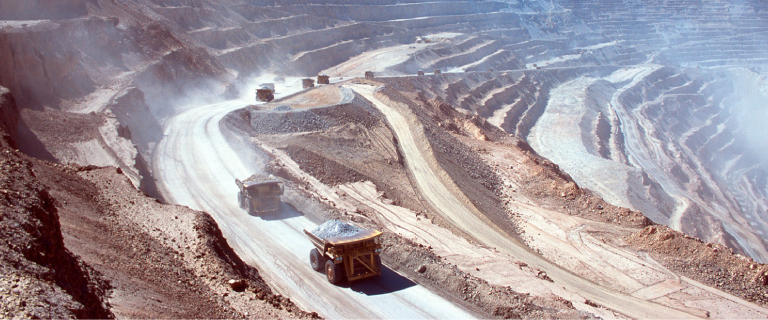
[[249, 204], [316, 260], [240, 199], [333, 272], [377, 262]]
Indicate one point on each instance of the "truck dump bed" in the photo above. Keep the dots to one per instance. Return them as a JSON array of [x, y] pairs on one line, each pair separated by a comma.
[[339, 241], [354, 254]]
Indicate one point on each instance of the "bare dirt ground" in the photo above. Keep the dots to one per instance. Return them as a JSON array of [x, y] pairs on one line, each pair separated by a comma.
[[354, 201], [199, 161], [377, 61], [323, 95], [475, 216], [355, 168], [560, 233], [161, 259], [40, 277], [555, 218], [104, 249], [84, 139]]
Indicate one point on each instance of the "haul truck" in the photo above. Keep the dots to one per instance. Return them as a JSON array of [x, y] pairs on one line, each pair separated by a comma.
[[259, 194], [352, 257], [265, 92]]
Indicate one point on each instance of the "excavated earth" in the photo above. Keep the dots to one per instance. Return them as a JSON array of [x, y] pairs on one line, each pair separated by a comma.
[[82, 242], [571, 130], [543, 183], [349, 144]]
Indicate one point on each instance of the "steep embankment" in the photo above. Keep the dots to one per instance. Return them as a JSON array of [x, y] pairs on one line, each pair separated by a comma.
[[322, 153], [170, 260], [41, 278], [111, 59], [553, 216], [682, 130], [82, 242]]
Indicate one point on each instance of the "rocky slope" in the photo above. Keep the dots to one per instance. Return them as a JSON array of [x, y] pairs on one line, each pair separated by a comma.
[[42, 278], [82, 242], [652, 106], [371, 186]]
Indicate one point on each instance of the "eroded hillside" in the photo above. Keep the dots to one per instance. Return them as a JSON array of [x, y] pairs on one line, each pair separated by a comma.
[[553, 137]]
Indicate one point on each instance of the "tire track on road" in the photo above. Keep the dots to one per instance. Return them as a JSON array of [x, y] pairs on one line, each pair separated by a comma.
[[466, 218]]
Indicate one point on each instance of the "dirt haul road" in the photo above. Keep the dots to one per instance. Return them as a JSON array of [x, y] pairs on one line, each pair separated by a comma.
[[446, 198], [197, 167]]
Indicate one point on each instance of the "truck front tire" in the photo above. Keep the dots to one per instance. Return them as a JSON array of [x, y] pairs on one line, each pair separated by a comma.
[[333, 272], [316, 260]]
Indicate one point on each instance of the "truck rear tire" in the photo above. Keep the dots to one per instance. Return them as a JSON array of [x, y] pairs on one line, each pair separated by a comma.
[[377, 262], [316, 260], [333, 272], [240, 199]]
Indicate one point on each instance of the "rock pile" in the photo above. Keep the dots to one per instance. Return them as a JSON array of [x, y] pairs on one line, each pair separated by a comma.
[[282, 108], [713, 264], [283, 122], [334, 228]]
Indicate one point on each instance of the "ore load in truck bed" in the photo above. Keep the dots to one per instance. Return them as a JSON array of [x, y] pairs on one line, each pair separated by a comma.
[[344, 251], [334, 229]]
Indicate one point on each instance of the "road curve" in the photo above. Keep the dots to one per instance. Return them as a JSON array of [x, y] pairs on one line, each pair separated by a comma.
[[195, 166], [433, 188]]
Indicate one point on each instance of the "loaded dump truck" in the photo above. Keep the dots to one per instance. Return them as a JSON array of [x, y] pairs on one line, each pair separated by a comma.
[[265, 92], [343, 251], [307, 83], [259, 194]]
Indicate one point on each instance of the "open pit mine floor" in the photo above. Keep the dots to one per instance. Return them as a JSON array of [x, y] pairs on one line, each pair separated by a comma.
[[198, 168], [430, 182]]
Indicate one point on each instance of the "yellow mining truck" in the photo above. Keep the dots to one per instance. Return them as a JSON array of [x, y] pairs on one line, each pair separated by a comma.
[[259, 194], [351, 256], [265, 92]]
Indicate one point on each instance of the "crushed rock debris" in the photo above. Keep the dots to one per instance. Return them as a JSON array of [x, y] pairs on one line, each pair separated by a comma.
[[334, 228]]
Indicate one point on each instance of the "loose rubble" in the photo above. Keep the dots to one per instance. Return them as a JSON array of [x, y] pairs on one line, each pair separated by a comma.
[[334, 228]]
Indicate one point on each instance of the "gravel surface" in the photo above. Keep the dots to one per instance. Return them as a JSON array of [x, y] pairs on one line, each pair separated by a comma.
[[39, 276], [334, 228], [713, 264], [287, 122], [282, 108]]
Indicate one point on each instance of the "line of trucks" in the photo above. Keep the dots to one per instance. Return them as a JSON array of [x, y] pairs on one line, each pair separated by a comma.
[[342, 251], [266, 91]]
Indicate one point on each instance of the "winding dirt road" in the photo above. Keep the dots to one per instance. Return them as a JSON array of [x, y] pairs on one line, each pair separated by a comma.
[[444, 197], [196, 166]]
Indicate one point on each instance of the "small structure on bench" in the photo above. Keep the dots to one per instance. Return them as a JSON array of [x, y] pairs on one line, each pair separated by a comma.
[[307, 83], [420, 73], [323, 79], [437, 71], [369, 74]]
